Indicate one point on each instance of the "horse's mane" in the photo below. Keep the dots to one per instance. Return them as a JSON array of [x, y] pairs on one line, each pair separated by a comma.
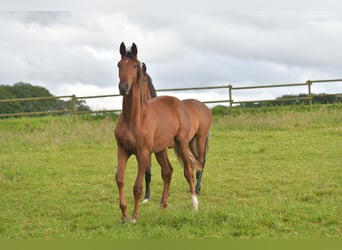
[[151, 87], [149, 80]]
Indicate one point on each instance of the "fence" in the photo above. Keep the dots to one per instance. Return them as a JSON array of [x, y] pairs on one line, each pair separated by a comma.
[[230, 88]]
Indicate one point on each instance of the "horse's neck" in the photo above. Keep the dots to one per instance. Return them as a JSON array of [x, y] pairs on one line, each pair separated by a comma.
[[132, 106]]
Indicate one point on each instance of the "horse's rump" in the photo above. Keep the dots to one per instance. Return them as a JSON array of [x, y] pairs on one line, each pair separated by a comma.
[[199, 113]]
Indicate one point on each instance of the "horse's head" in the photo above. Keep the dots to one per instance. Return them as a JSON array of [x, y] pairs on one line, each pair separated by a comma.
[[129, 68]]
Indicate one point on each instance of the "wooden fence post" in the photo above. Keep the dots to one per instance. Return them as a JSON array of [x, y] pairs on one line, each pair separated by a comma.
[[230, 87], [309, 83], [74, 102]]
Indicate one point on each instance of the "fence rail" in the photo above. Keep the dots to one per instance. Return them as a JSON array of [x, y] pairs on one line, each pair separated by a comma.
[[230, 88]]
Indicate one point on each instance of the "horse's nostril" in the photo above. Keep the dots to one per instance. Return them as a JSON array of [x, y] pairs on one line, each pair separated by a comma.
[[124, 88]]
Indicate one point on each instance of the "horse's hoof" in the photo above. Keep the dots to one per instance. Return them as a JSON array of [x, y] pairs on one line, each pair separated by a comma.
[[125, 219], [195, 203], [144, 201], [163, 205]]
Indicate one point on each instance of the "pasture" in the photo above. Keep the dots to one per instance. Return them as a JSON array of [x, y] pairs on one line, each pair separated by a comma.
[[274, 174]]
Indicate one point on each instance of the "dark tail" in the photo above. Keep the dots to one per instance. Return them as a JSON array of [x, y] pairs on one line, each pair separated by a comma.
[[195, 164], [206, 149], [193, 145]]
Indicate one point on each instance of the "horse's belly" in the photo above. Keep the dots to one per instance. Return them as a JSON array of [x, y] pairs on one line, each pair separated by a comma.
[[161, 146], [163, 139]]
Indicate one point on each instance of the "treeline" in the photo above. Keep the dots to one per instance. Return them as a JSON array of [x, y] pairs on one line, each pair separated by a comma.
[[26, 90], [287, 100], [321, 99]]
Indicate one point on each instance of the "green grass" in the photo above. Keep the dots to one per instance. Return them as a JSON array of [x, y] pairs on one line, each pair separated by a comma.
[[274, 174]]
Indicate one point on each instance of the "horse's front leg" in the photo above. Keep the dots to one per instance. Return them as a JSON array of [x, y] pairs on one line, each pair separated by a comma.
[[143, 160], [120, 179], [166, 173]]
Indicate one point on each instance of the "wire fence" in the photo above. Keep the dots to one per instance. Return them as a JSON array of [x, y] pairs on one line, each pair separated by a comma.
[[229, 100]]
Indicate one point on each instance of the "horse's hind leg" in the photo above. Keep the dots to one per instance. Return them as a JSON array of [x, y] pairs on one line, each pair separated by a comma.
[[188, 171], [166, 173], [202, 148], [197, 151]]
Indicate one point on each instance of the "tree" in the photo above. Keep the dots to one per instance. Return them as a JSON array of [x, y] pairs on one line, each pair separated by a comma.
[[26, 90], [8, 107]]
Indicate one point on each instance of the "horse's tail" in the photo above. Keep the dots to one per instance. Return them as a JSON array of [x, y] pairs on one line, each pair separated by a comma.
[[195, 164], [206, 149], [194, 148], [193, 145]]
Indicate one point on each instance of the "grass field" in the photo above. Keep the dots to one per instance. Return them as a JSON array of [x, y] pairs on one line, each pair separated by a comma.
[[275, 174]]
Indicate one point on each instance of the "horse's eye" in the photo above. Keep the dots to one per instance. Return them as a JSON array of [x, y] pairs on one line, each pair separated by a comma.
[[135, 65], [118, 64]]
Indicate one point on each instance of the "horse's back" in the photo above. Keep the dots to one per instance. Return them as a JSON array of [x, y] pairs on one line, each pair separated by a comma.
[[169, 105], [199, 113]]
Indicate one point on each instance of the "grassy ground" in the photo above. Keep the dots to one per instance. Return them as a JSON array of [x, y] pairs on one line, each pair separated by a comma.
[[271, 174]]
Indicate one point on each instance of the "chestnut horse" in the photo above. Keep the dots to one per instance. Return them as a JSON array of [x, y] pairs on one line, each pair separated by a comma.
[[201, 118], [149, 126]]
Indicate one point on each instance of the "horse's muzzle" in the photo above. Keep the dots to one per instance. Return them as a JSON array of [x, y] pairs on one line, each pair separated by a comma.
[[124, 88]]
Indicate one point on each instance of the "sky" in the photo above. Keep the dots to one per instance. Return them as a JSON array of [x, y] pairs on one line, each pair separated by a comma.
[[72, 47]]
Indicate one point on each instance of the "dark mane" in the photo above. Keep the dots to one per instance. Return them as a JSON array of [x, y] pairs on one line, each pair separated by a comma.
[[151, 87], [149, 79]]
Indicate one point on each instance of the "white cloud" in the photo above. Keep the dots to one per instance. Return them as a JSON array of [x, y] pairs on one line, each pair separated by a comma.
[[183, 46]]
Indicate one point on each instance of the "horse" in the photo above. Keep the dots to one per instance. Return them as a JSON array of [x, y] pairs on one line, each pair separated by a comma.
[[202, 119], [149, 126]]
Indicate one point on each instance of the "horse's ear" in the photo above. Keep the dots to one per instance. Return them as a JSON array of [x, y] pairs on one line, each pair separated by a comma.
[[122, 49], [134, 49], [144, 67]]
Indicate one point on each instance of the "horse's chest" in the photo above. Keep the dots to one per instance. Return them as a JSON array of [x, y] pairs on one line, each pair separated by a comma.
[[130, 138], [126, 138]]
